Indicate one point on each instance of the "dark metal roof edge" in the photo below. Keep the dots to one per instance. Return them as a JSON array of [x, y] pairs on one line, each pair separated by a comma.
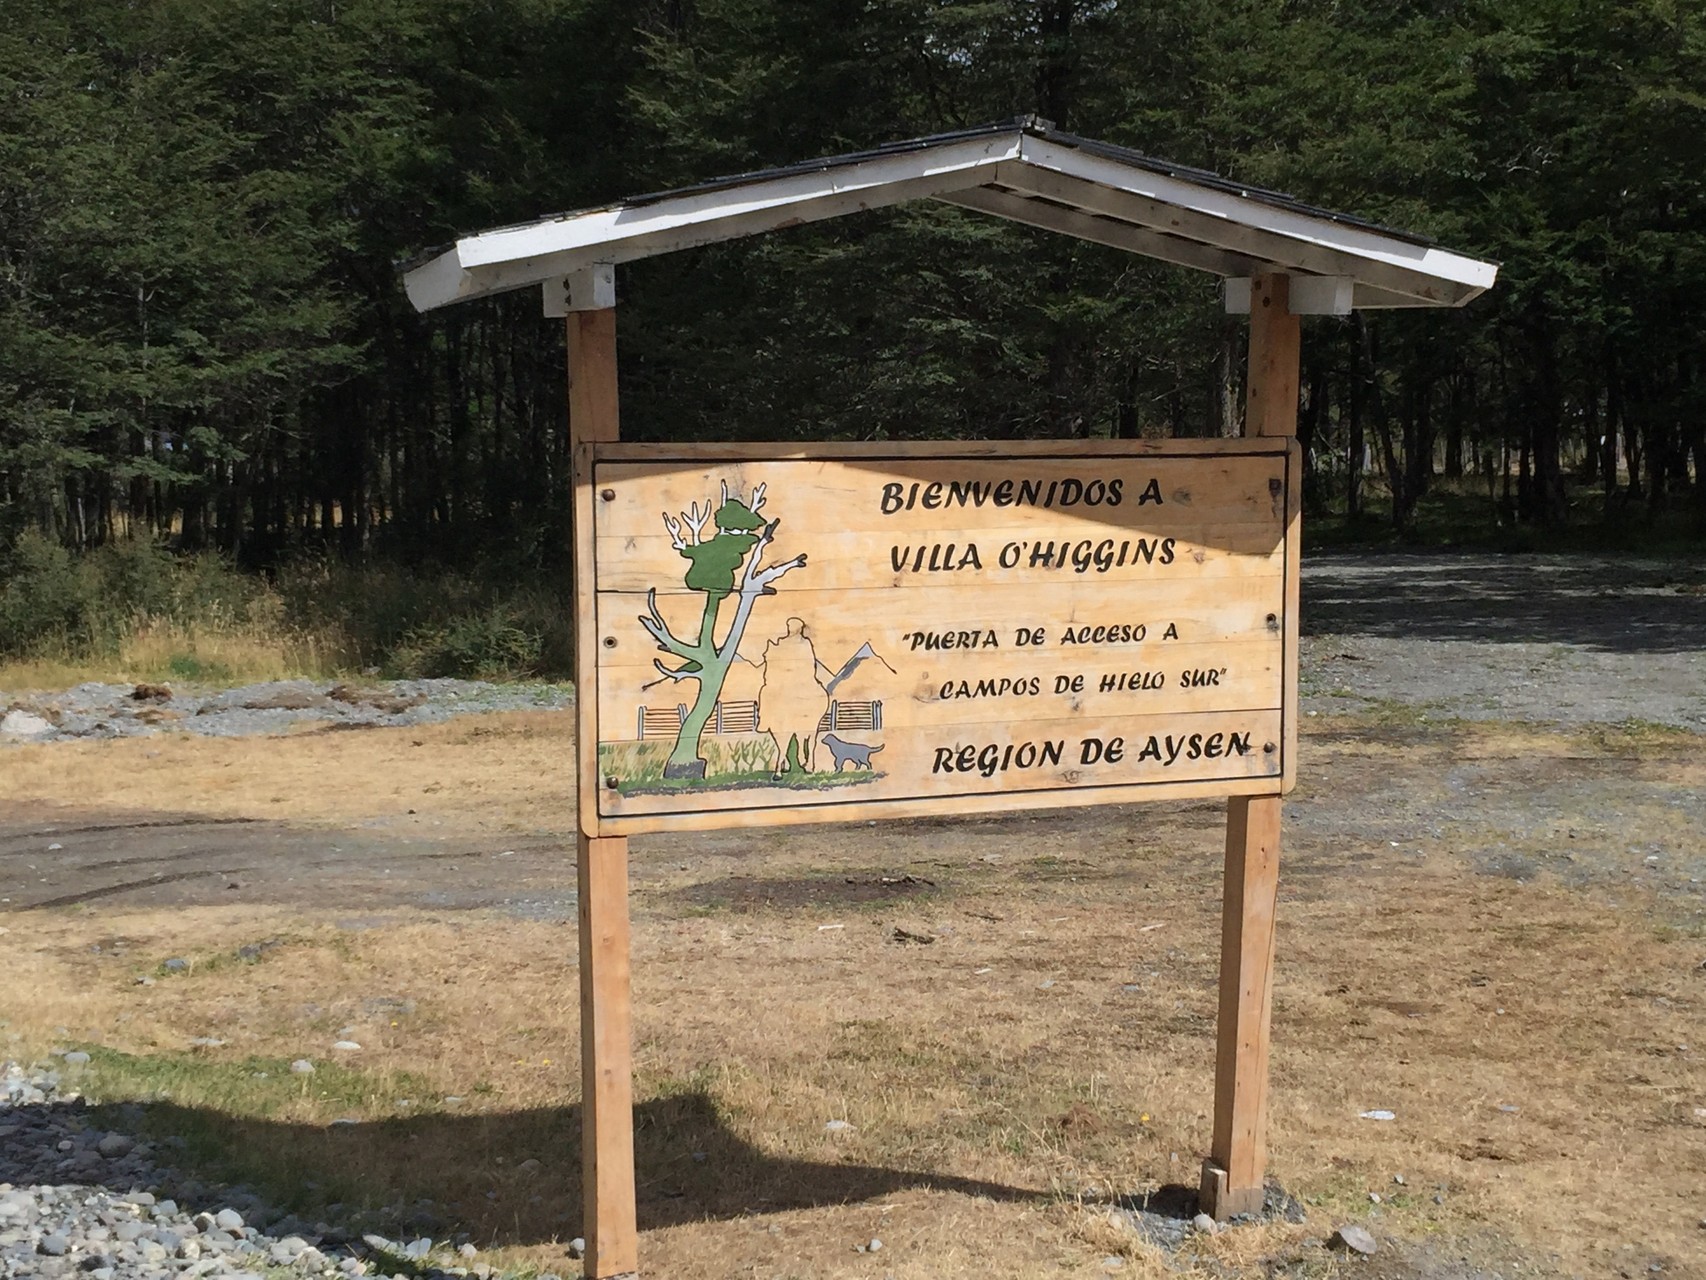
[[1032, 126]]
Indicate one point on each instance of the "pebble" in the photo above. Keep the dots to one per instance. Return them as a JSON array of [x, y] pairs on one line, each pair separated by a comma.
[[577, 1247], [1205, 1224], [72, 1204], [24, 725], [1353, 1239], [302, 1067], [77, 1058], [177, 964], [348, 1046]]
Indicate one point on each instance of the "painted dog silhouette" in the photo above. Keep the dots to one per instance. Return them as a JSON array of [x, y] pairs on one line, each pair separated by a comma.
[[859, 753]]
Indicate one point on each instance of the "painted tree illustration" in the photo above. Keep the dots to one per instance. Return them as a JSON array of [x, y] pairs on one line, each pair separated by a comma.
[[730, 562]]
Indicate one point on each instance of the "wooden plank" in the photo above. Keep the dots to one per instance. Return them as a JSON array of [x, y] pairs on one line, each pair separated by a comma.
[[1105, 759], [593, 418], [965, 805], [1049, 216], [1232, 1181], [1271, 412], [1123, 625], [854, 451], [1433, 271], [1275, 336], [607, 1098], [1240, 235], [854, 562], [1233, 1176], [607, 1109]]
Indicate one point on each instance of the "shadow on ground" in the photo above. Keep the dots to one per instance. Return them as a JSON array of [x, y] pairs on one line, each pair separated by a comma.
[[1615, 605], [505, 1178]]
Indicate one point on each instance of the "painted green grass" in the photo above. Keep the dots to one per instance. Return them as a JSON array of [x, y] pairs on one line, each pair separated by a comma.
[[732, 761]]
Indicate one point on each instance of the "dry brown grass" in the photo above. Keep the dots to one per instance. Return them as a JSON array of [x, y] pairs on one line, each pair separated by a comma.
[[983, 1104], [159, 649]]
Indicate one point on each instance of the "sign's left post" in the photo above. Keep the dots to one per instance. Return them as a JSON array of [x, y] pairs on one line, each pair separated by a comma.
[[607, 1038]]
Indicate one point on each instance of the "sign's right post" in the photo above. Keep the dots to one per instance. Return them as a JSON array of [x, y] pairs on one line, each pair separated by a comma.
[[1233, 1173]]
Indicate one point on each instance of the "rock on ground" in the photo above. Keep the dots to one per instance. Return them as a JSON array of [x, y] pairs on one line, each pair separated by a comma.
[[79, 1201]]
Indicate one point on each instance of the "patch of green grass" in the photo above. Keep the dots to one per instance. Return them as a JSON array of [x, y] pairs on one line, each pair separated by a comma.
[[1634, 736], [252, 1120], [253, 1087]]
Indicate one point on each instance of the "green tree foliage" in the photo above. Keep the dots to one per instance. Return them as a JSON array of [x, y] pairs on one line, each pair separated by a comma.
[[202, 202]]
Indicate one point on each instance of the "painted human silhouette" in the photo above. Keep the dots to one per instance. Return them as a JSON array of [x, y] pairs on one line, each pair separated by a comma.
[[792, 702]]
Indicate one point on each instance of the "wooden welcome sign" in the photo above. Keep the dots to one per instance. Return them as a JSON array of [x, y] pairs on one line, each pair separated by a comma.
[[788, 634], [777, 634]]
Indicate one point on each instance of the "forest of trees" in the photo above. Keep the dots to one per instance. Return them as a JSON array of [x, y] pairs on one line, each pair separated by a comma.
[[203, 334]]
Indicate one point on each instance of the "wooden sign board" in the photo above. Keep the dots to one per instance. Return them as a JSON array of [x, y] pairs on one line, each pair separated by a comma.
[[778, 634]]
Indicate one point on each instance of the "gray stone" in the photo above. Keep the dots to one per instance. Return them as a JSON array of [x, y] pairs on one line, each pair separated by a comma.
[[115, 1145], [468, 1251], [53, 1246], [228, 1220], [1205, 1224], [1353, 1239], [577, 1247], [177, 964], [302, 1067], [77, 1058], [18, 723], [876, 1245], [418, 1248]]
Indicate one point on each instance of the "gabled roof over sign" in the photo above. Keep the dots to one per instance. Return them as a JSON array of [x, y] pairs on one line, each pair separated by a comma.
[[1024, 171]]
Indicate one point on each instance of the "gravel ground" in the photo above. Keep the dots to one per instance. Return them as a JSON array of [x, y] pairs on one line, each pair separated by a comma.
[[1570, 640], [80, 1197], [124, 710]]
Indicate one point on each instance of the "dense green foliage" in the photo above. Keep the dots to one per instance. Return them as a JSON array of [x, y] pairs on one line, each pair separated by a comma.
[[202, 334]]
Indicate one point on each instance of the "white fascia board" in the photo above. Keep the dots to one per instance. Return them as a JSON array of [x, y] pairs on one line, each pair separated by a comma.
[[1470, 276], [513, 257]]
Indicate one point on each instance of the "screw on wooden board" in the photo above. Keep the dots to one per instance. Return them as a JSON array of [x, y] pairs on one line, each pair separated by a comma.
[[1269, 748], [609, 642], [609, 495], [1273, 622], [611, 782]]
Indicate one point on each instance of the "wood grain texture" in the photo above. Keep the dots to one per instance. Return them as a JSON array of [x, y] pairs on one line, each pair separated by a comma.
[[1152, 623], [607, 1097], [607, 1105], [1233, 1177], [1239, 1147], [1274, 370]]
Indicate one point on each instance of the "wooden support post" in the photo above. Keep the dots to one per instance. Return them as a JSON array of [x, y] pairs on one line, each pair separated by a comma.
[[1233, 1174], [607, 1049]]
